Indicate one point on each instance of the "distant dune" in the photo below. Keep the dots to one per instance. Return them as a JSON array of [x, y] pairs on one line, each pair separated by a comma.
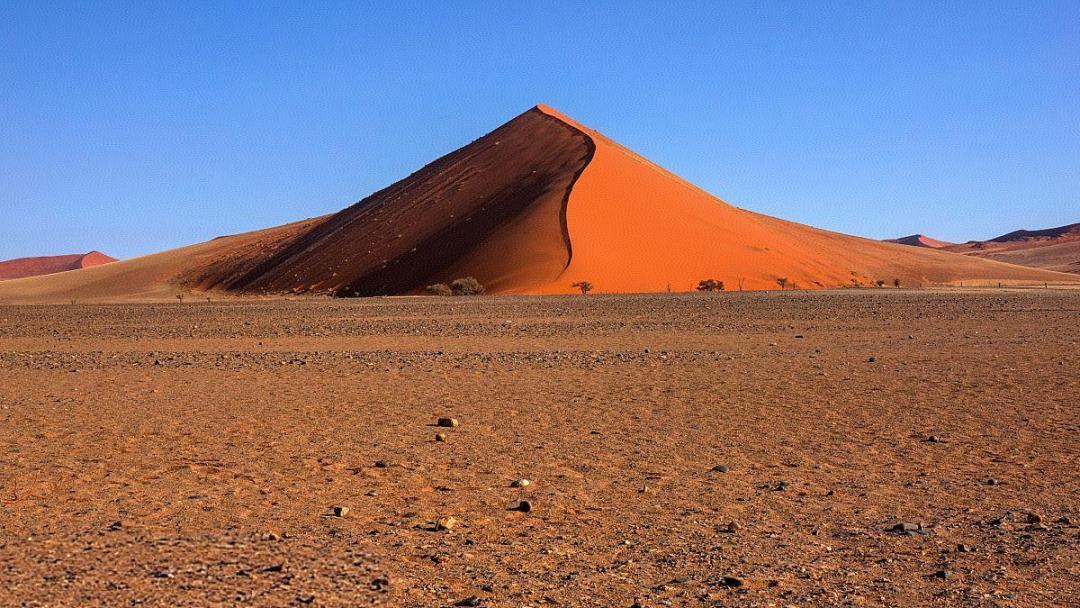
[[37, 266], [537, 204], [1051, 249], [920, 240]]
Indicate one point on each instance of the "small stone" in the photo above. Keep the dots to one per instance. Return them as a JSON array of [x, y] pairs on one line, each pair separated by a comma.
[[933, 439], [445, 523], [339, 511], [440, 437], [520, 483], [381, 464], [992, 482], [872, 360], [524, 506], [448, 422], [1033, 518], [644, 490], [943, 574], [272, 536], [781, 486], [731, 582], [905, 527], [721, 468], [962, 548], [472, 600]]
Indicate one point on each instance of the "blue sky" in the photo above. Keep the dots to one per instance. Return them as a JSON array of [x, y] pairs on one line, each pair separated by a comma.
[[132, 127]]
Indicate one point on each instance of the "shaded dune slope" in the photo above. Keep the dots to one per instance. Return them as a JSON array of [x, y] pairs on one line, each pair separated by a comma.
[[37, 266], [494, 209]]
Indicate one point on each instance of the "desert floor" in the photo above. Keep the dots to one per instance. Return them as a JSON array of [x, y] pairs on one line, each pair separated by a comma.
[[192, 453]]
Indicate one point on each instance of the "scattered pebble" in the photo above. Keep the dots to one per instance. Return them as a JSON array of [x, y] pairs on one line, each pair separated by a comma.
[[933, 439], [445, 523], [524, 506], [721, 468], [731, 581], [339, 511], [472, 600], [906, 527], [962, 548], [440, 436], [872, 360], [520, 483], [448, 422]]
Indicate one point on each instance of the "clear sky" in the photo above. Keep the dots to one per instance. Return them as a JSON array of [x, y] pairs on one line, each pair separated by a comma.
[[132, 127]]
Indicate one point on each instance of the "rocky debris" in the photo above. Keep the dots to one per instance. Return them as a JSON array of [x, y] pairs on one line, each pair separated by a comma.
[[721, 468], [872, 360], [471, 601], [943, 574], [520, 483], [780, 486], [339, 511], [381, 464], [933, 439], [440, 437], [524, 506], [448, 423], [962, 548], [444, 524]]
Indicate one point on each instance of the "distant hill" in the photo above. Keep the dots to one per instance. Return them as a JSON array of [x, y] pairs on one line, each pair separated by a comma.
[[36, 266], [1055, 249], [920, 240]]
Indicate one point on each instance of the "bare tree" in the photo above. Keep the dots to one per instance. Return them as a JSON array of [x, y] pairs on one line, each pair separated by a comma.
[[782, 282], [741, 281], [879, 283], [584, 286], [180, 297], [896, 283]]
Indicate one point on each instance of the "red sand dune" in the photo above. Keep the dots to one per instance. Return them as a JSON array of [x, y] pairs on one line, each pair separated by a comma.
[[1051, 249], [537, 204], [32, 267], [920, 240]]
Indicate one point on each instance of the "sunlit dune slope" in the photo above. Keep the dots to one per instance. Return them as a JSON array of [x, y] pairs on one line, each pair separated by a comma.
[[636, 227]]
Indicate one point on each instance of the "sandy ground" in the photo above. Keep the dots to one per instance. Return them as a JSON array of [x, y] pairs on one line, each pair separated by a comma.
[[191, 454]]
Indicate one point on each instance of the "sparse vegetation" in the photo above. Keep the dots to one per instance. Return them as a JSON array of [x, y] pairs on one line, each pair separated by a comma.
[[782, 282], [180, 297], [741, 281], [896, 283], [710, 285], [467, 286], [879, 283], [584, 286], [439, 289]]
